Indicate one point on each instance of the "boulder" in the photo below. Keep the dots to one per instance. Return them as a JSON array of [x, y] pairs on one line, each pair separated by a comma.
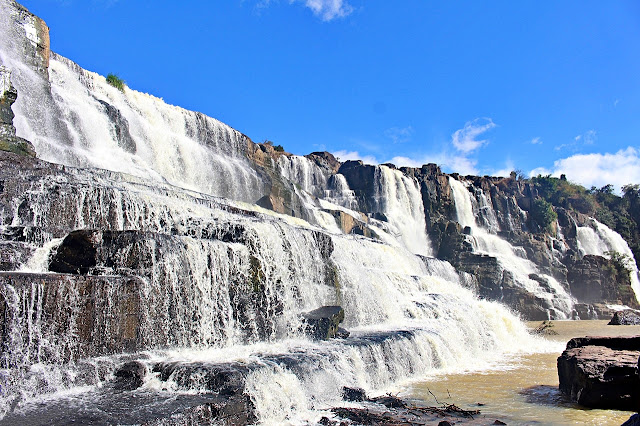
[[226, 381], [130, 375], [322, 323], [626, 317], [601, 372], [354, 394]]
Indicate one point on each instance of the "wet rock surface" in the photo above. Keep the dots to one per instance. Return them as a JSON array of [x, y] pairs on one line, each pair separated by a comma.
[[323, 323], [601, 372], [627, 317], [87, 315]]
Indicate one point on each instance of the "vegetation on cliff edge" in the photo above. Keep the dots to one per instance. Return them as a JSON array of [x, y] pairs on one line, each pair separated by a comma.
[[620, 213], [116, 82]]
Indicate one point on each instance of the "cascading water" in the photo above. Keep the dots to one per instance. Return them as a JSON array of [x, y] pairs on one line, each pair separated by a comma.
[[601, 240], [510, 257], [75, 118], [184, 278], [339, 192], [399, 199], [304, 173], [409, 316]]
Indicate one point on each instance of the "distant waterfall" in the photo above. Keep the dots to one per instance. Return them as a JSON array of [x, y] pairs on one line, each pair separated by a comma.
[[600, 239], [399, 199], [304, 173], [510, 257]]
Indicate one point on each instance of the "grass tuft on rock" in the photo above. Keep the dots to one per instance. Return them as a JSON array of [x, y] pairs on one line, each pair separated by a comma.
[[116, 81]]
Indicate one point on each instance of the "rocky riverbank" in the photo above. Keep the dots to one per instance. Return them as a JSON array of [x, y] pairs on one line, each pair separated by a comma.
[[601, 372]]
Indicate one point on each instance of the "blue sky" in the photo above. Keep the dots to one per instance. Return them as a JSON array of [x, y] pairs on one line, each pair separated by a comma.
[[477, 87]]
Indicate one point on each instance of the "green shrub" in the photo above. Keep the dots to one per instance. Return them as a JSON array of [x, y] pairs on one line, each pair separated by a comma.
[[621, 262], [116, 82], [543, 214], [278, 148]]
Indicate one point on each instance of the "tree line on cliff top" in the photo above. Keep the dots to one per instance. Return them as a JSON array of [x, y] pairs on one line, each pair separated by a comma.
[[620, 213]]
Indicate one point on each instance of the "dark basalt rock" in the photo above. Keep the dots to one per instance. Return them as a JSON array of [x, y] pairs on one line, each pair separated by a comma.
[[13, 255], [354, 394], [130, 375], [120, 127], [322, 323], [77, 253], [601, 372], [342, 333], [594, 279], [633, 421], [627, 317], [8, 139], [624, 343], [225, 380]]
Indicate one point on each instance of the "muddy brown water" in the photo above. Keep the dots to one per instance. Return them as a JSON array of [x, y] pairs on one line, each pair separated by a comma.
[[524, 390]]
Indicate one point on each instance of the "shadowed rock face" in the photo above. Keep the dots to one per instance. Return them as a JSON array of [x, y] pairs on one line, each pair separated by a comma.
[[8, 139], [57, 318], [594, 279], [601, 372]]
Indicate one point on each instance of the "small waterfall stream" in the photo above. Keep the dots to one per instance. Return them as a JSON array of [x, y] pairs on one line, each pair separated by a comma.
[[399, 199], [601, 240], [510, 257]]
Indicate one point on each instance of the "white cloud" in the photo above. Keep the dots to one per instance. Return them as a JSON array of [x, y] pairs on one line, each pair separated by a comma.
[[540, 171], [345, 155], [598, 170], [399, 134], [587, 138], [536, 141], [464, 140], [328, 9]]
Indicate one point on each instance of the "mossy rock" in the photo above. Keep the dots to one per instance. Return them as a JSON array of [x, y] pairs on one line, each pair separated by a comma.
[[18, 146], [256, 274]]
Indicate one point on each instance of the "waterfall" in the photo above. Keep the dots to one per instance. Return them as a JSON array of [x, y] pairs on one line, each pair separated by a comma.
[[409, 316], [399, 199], [599, 239], [339, 192], [76, 118], [304, 173], [511, 258], [185, 274], [488, 215]]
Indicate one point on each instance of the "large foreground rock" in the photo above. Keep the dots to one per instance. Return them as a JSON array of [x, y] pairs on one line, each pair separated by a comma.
[[601, 372]]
